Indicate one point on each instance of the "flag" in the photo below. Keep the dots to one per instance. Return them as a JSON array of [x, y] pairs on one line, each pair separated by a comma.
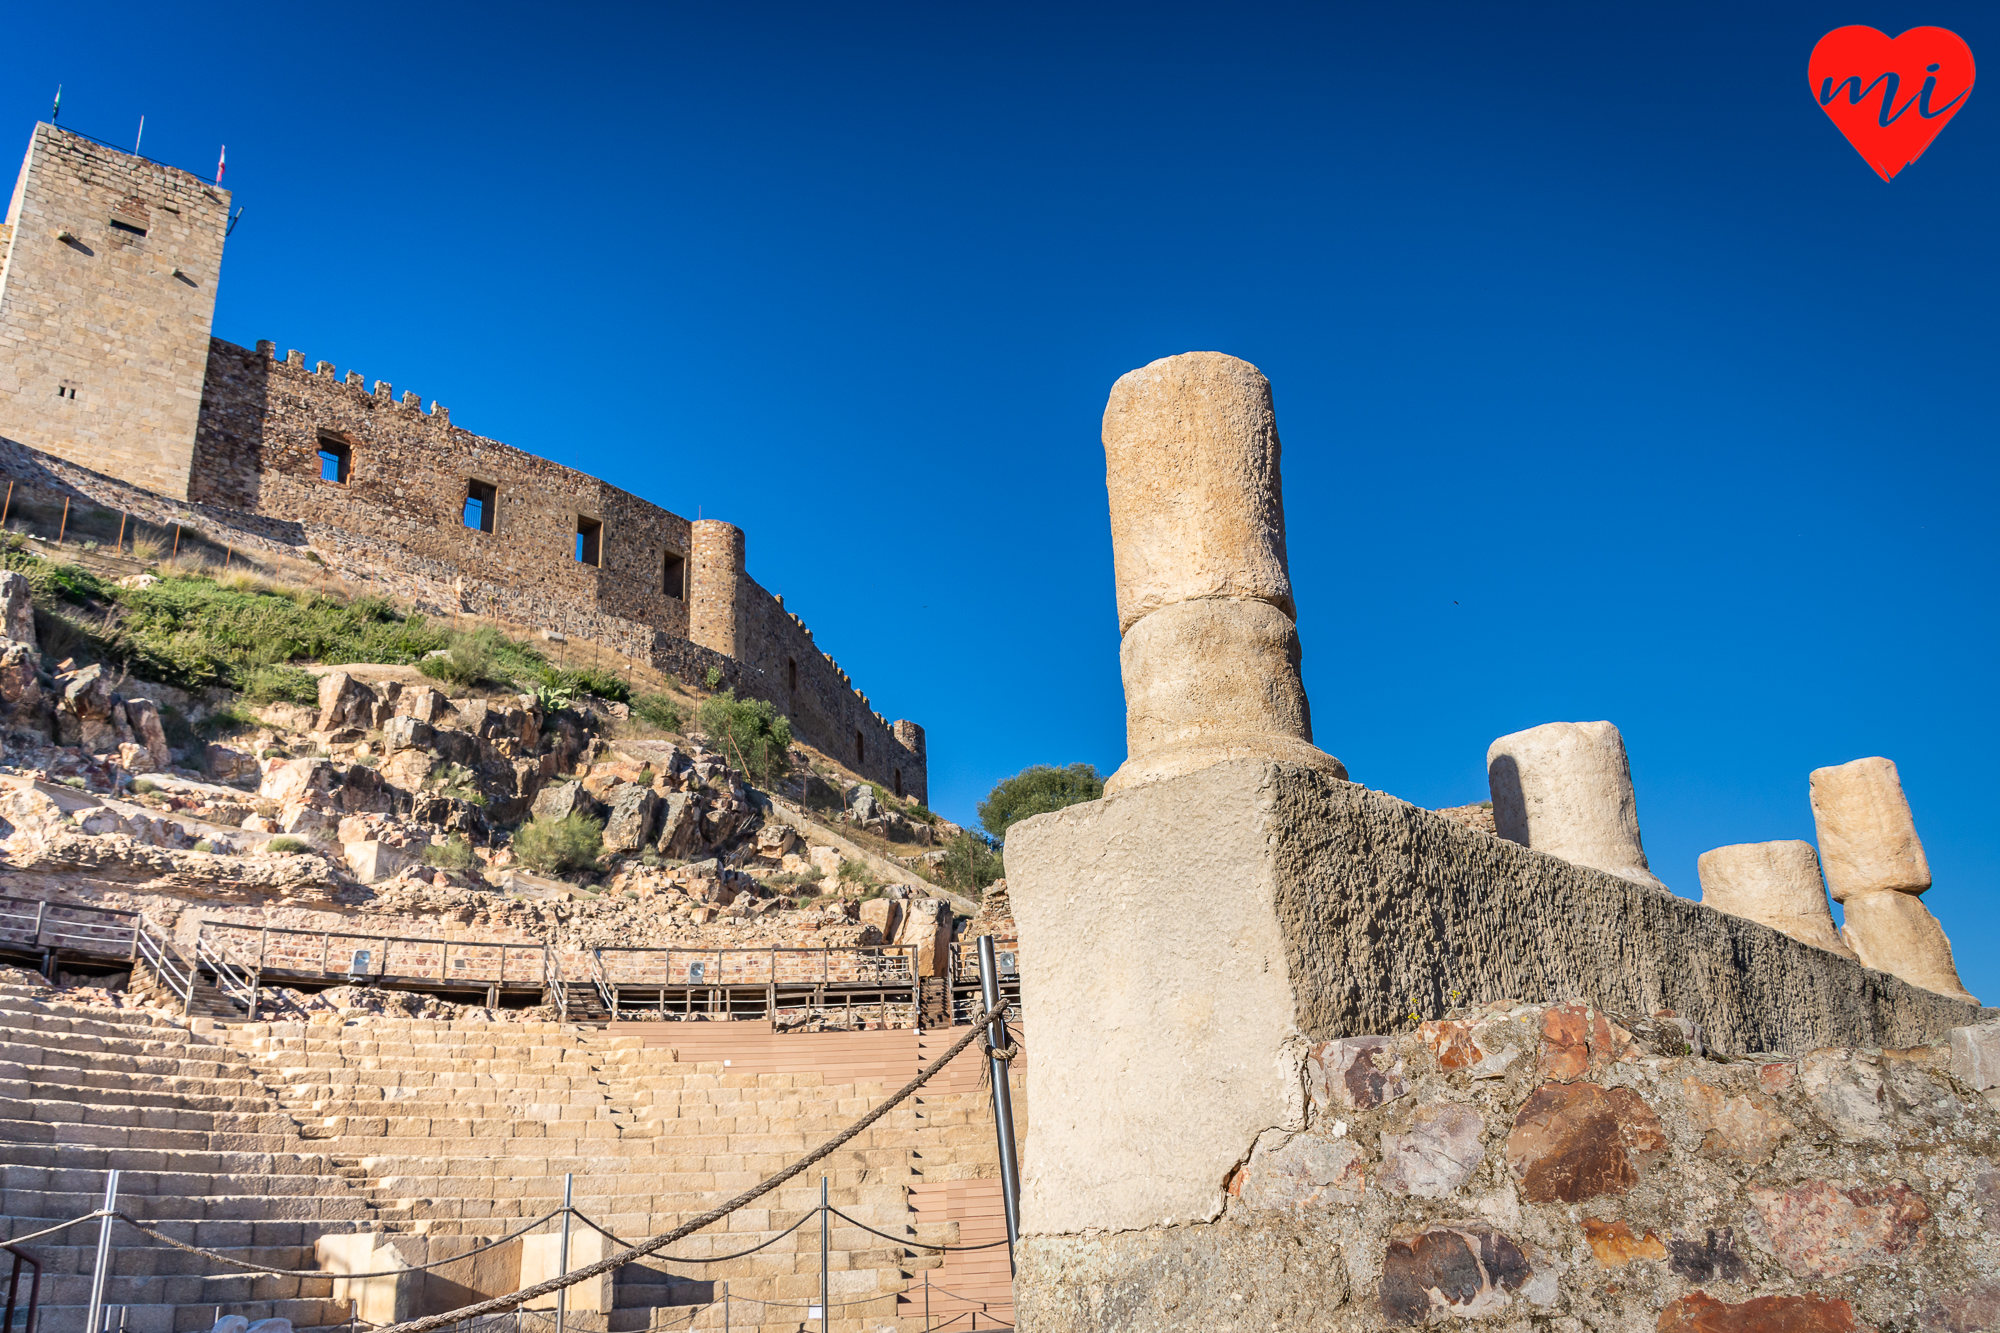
[[220, 163], [56, 114]]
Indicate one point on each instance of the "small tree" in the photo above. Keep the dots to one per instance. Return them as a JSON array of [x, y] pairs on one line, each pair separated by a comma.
[[750, 731], [970, 864], [1036, 791]]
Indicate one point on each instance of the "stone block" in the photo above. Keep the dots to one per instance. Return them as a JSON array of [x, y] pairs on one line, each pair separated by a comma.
[[1867, 839], [1565, 788], [1776, 883], [374, 861], [1975, 1055]]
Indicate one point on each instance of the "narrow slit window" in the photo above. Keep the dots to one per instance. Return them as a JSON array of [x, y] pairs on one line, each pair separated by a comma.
[[898, 775], [860, 750], [792, 665], [480, 501], [336, 461], [672, 571], [589, 541]]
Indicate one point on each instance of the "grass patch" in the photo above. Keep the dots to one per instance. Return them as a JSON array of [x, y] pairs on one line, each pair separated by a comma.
[[454, 853], [285, 844], [282, 684], [658, 710]]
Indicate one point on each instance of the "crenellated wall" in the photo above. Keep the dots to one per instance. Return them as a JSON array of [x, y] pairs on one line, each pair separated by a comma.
[[668, 590]]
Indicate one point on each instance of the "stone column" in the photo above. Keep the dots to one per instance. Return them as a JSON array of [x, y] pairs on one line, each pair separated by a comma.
[[1565, 788], [1210, 653], [1775, 884], [1876, 868], [715, 569]]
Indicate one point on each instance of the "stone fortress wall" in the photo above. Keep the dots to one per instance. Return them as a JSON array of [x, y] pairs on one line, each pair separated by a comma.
[[106, 297], [239, 434]]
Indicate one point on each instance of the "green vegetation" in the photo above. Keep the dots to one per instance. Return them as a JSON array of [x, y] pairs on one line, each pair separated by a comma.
[[285, 843], [750, 731], [712, 678], [227, 719], [658, 710], [857, 874], [454, 853], [457, 783], [281, 684], [1036, 790], [552, 846], [970, 864]]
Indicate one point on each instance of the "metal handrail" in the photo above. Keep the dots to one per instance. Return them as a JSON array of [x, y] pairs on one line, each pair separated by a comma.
[[595, 958], [234, 986], [552, 982], [34, 1312], [159, 954]]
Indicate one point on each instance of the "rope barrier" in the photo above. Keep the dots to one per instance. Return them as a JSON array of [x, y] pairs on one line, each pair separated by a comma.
[[915, 1244], [60, 1226], [145, 1230], [757, 1191], [720, 1258]]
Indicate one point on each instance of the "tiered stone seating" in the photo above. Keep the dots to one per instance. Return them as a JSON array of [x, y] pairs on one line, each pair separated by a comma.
[[470, 1129], [207, 1155]]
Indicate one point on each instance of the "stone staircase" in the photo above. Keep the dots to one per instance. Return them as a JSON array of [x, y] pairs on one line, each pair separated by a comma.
[[208, 1157], [467, 1129]]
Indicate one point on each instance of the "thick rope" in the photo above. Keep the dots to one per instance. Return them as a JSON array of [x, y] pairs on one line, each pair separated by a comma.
[[660, 1242], [60, 1226], [145, 1230], [915, 1244]]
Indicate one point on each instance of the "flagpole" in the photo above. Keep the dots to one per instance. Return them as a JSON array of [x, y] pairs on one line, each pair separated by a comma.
[[55, 114], [142, 137]]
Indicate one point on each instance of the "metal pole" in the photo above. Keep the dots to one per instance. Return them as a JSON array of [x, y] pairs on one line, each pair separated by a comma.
[[1003, 1098], [103, 1268], [725, 1307], [562, 1261], [824, 1228]]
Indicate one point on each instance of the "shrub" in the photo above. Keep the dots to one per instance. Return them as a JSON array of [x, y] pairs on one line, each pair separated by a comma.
[[458, 783], [466, 663], [712, 678], [140, 786], [552, 846], [225, 720], [204, 845], [285, 844], [1036, 790], [751, 731], [856, 873], [454, 853], [603, 683], [281, 684], [659, 711]]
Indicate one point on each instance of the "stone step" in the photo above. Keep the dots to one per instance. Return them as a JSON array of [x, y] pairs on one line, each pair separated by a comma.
[[97, 1160], [267, 1120], [195, 1318], [134, 1255], [53, 1085], [247, 1207], [140, 1137], [209, 1233]]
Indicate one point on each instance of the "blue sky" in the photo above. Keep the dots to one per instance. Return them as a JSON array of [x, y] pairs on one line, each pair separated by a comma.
[[1612, 382]]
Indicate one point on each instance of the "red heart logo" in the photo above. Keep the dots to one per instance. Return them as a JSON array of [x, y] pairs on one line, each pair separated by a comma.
[[1890, 97]]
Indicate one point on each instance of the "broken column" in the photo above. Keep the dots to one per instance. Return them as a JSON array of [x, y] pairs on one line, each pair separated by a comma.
[[1210, 654], [1876, 869], [1776, 884], [1565, 788]]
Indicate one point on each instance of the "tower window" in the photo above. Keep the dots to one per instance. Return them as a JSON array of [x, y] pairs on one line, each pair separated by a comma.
[[336, 461], [672, 571], [481, 499], [898, 775], [589, 541], [860, 750], [792, 665], [120, 224]]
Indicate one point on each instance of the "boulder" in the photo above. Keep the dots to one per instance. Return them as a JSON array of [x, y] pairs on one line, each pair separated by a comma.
[[136, 759], [884, 914], [928, 927], [634, 812], [424, 704], [17, 608], [344, 702], [408, 770], [20, 686], [561, 799], [680, 825], [405, 733], [374, 861], [144, 716], [862, 805], [228, 765]]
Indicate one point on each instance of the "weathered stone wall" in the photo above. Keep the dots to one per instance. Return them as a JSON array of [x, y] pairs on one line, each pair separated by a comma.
[[1187, 938], [665, 589], [106, 297], [1560, 1168]]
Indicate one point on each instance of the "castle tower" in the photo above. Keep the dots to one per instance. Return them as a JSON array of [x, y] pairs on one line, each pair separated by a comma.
[[715, 571], [107, 292]]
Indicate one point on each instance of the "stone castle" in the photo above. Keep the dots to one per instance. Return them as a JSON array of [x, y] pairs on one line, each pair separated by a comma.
[[111, 384]]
